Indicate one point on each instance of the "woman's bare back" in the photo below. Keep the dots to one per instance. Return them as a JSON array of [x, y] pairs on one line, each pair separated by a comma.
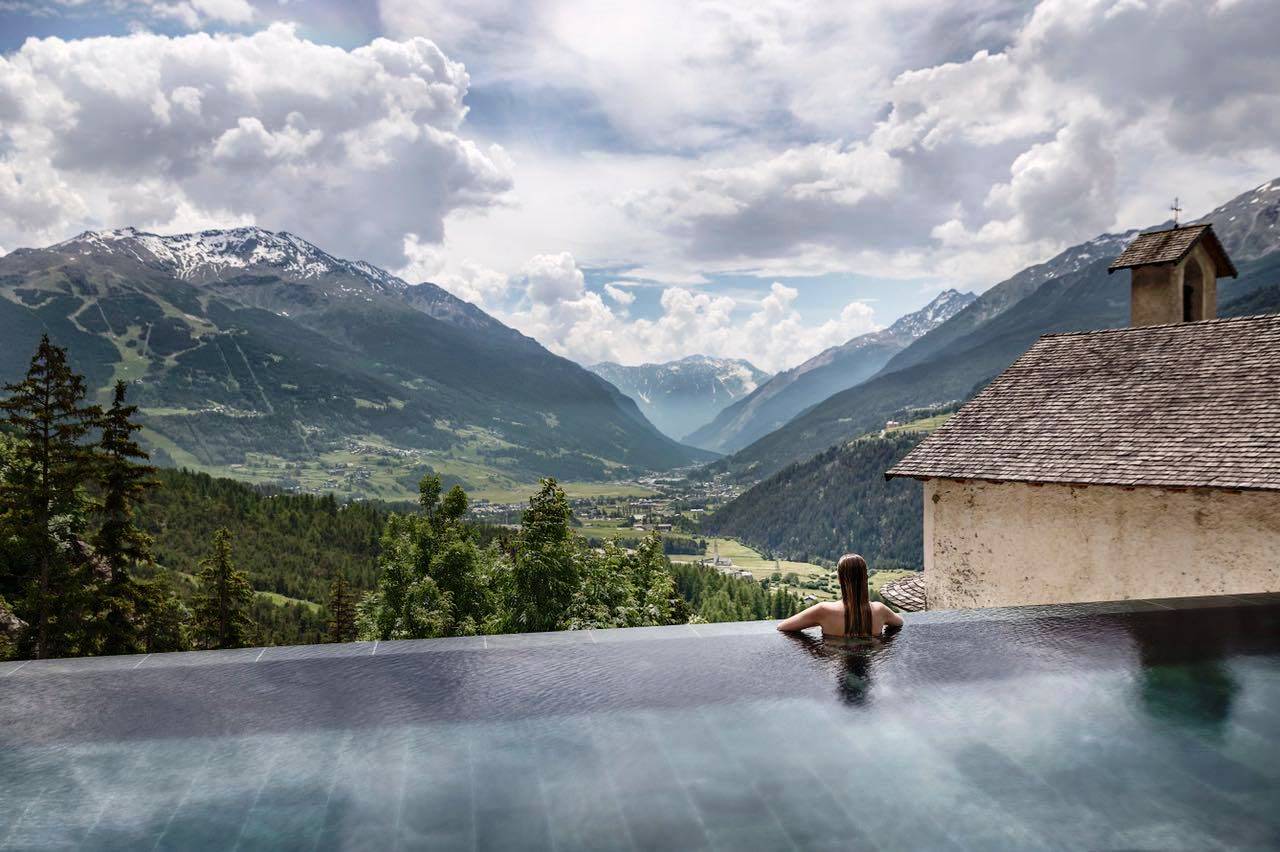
[[829, 615]]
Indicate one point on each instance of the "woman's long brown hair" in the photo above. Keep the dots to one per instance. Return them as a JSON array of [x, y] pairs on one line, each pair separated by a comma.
[[852, 572]]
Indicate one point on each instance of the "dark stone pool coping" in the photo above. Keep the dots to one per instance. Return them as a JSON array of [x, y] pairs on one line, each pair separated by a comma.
[[20, 669]]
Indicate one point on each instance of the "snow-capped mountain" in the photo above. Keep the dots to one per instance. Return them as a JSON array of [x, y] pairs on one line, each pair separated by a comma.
[[219, 254], [247, 342], [1247, 224], [943, 307], [677, 396], [830, 371], [275, 271]]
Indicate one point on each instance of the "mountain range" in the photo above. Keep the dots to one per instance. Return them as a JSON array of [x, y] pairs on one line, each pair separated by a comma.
[[257, 353], [778, 400], [1070, 292], [679, 396]]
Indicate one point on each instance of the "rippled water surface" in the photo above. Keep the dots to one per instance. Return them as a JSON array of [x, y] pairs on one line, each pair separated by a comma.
[[1148, 725]]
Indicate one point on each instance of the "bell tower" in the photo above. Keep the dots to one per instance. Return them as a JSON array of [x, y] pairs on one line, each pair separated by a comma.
[[1174, 274]]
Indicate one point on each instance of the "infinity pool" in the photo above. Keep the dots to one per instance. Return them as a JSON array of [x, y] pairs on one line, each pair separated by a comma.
[[1140, 725]]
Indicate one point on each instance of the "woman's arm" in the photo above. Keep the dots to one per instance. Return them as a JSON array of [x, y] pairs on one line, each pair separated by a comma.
[[891, 618], [801, 620]]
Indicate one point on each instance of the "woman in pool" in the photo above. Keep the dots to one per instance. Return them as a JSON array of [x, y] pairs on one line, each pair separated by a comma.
[[855, 616]]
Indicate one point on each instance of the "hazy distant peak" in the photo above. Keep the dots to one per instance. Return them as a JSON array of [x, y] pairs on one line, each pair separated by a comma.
[[738, 374], [678, 396], [687, 360]]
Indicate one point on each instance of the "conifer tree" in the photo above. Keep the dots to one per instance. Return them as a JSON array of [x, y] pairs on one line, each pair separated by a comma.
[[123, 481], [432, 582], [12, 628], [43, 501], [458, 566], [223, 601], [654, 584], [545, 574], [605, 595], [408, 603], [681, 611], [163, 621], [342, 611]]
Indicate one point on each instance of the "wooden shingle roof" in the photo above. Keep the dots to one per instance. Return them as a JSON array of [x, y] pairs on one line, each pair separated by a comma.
[[1171, 246], [1190, 405], [906, 594]]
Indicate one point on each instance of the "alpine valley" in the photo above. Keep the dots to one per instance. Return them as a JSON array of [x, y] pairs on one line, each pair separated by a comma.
[[258, 354], [775, 402]]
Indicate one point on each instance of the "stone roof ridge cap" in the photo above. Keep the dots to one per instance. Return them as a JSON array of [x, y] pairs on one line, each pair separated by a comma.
[[1140, 328]]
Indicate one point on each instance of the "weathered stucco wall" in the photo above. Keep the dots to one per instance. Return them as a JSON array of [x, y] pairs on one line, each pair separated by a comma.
[[1156, 295], [1000, 544], [1156, 291]]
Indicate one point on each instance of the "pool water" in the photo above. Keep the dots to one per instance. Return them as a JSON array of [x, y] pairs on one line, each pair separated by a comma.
[[1141, 725]]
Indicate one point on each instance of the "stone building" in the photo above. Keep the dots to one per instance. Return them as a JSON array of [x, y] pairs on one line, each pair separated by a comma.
[[1127, 463]]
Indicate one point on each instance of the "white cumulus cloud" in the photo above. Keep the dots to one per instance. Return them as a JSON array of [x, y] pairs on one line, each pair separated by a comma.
[[559, 311], [619, 295], [353, 149], [1091, 114], [883, 138]]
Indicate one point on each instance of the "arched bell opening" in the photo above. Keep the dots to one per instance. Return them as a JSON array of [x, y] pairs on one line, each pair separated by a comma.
[[1193, 291]]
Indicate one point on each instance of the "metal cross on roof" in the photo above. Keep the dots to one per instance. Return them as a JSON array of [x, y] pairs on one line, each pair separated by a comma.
[[1176, 210]]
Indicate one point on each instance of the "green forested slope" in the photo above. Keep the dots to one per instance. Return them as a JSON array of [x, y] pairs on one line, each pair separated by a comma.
[[1264, 299], [833, 503], [293, 545]]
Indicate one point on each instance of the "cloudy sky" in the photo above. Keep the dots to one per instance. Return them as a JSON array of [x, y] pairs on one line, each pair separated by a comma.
[[642, 181]]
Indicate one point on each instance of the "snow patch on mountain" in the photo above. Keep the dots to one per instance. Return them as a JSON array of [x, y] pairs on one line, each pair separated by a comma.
[[905, 329], [944, 306], [1101, 247], [1249, 225]]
